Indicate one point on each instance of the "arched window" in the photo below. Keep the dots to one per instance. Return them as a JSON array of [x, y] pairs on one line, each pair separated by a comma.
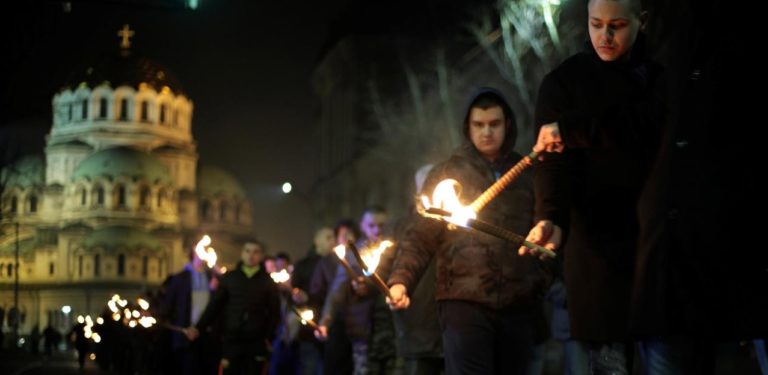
[[80, 266], [121, 265], [123, 115], [96, 265], [205, 208], [83, 196], [70, 111], [163, 109], [84, 109], [14, 204], [99, 193], [103, 108], [144, 116], [2, 268], [223, 211], [33, 203], [144, 197], [120, 196], [9, 269], [51, 268], [144, 266]]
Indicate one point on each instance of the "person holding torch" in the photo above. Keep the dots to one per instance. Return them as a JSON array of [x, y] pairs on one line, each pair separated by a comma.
[[489, 297]]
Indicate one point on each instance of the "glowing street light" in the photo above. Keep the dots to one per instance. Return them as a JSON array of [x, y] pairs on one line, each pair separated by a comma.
[[287, 187]]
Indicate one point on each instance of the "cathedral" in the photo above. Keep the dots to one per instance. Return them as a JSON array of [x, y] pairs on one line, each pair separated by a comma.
[[116, 200]]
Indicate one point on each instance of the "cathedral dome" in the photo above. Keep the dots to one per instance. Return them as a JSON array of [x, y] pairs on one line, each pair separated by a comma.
[[122, 162], [124, 70], [213, 181], [28, 171]]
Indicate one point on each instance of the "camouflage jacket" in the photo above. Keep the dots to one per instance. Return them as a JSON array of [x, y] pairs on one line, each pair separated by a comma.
[[474, 266]]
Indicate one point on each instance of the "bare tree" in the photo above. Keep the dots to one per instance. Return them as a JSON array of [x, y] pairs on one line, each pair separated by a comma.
[[523, 40]]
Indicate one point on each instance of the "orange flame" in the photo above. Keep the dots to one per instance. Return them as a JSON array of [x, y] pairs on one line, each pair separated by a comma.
[[340, 251], [280, 277], [204, 252], [372, 256], [446, 197]]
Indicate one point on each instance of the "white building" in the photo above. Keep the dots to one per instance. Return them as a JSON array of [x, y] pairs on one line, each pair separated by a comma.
[[118, 194]]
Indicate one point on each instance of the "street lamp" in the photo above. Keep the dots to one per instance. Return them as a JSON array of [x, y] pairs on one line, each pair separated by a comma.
[[66, 309], [287, 187], [16, 288]]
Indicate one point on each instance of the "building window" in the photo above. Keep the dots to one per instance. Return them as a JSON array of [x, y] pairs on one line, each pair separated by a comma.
[[70, 111], [99, 195], [9, 269], [123, 115], [14, 204], [223, 211], [144, 111], [160, 265], [84, 109], [80, 266], [96, 265], [144, 197], [144, 266], [51, 268], [103, 108], [205, 207], [121, 265], [160, 198], [33, 203], [82, 196], [2, 267], [121, 196], [163, 109], [176, 117]]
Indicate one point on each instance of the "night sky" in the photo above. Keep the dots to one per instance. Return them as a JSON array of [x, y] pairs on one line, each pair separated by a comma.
[[245, 64]]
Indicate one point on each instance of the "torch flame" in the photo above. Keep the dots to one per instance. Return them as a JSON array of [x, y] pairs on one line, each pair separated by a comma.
[[147, 321], [205, 253], [99, 320], [280, 277], [372, 256], [143, 303], [340, 251], [307, 315], [446, 197]]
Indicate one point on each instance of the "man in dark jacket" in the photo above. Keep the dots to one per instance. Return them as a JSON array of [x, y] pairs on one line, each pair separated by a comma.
[[186, 297], [489, 297], [599, 114], [691, 289], [418, 327], [250, 303], [310, 349], [368, 323]]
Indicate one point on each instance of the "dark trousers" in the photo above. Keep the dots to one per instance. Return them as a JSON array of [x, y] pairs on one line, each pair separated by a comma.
[[479, 340], [201, 357], [311, 357], [677, 355], [245, 364], [424, 366], [338, 349]]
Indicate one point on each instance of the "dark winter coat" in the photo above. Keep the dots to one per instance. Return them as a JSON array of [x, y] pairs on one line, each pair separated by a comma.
[[610, 115]]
